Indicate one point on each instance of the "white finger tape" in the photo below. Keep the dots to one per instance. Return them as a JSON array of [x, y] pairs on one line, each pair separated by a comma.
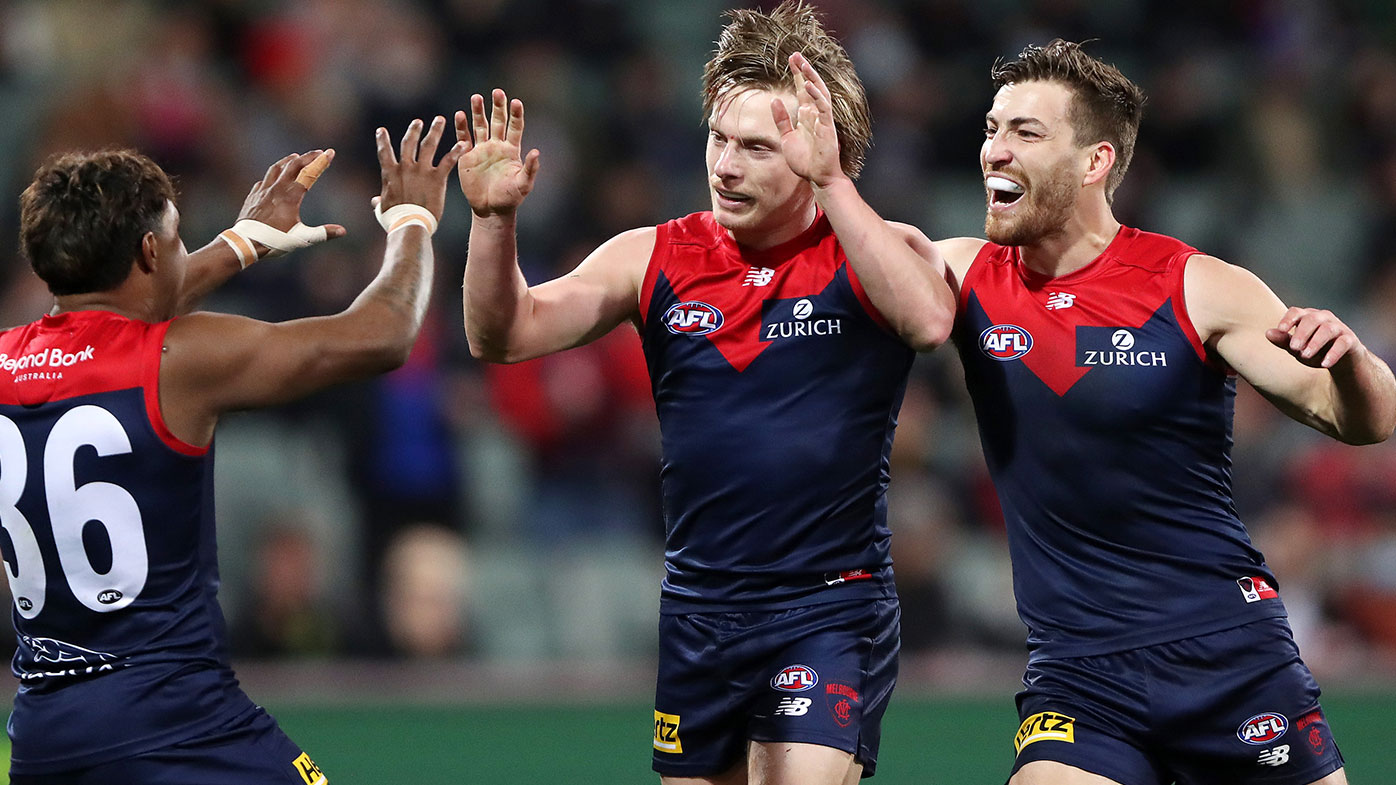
[[248, 231]]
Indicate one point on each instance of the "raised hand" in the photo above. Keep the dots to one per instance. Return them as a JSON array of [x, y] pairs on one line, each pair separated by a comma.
[[412, 178], [809, 141], [276, 199], [1315, 337], [494, 175]]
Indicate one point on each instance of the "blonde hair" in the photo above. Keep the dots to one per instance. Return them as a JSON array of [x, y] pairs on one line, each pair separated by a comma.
[[754, 50]]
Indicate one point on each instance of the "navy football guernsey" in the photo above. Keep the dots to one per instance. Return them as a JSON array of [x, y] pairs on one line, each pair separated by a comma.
[[109, 549], [777, 389], [1107, 432]]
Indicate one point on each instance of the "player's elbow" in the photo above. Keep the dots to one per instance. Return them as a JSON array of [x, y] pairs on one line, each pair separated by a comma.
[[486, 350], [929, 333], [1373, 432], [389, 353]]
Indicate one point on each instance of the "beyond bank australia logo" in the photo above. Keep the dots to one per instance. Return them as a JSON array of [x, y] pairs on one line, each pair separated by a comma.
[[692, 318], [1004, 342]]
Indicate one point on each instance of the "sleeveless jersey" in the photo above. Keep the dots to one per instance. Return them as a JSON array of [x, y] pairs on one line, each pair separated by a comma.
[[1107, 432], [109, 549], [777, 388]]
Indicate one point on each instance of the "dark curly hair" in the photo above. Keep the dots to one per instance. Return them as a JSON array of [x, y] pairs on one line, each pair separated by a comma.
[[83, 216]]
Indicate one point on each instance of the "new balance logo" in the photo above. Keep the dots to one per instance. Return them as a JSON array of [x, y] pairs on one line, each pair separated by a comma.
[[1059, 300], [758, 276], [793, 707], [1278, 756]]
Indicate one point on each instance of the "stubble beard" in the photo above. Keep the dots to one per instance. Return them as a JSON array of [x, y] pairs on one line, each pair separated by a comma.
[[1051, 205]]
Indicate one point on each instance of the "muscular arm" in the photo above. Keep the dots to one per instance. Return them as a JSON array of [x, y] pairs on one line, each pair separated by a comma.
[[507, 321], [215, 363], [901, 271], [1304, 361], [227, 362]]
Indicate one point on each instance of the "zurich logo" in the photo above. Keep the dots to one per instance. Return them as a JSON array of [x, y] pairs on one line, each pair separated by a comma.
[[1004, 342], [692, 318]]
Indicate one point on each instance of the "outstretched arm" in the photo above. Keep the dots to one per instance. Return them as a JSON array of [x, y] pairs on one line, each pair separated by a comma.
[[901, 271], [1304, 360], [218, 362], [505, 319], [275, 200]]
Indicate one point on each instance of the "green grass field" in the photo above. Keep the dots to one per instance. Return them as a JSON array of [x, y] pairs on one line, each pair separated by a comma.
[[926, 742]]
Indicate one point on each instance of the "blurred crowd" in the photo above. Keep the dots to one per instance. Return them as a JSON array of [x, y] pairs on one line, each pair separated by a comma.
[[452, 509]]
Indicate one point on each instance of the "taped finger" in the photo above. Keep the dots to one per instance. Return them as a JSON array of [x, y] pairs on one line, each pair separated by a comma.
[[312, 171]]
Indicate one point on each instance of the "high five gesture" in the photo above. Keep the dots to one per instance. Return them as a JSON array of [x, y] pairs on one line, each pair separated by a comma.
[[494, 175]]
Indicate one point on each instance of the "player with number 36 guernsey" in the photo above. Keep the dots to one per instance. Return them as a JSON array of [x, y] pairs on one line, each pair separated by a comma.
[[107, 412]]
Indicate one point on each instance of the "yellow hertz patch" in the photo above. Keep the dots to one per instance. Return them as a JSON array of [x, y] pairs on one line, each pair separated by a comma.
[[309, 771], [1045, 726], [666, 732]]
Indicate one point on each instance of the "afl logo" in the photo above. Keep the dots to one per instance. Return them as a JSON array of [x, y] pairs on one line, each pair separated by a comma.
[[795, 678], [1263, 728], [109, 596], [1004, 342], [692, 318]]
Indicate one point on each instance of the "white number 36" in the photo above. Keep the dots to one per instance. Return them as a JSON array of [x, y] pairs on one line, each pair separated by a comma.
[[70, 509]]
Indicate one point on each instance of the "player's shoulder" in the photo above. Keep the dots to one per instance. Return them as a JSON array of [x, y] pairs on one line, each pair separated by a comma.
[[699, 228], [1150, 251], [960, 252], [1207, 277]]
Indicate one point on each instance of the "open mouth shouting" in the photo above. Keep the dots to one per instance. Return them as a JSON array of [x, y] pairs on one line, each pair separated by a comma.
[[1003, 192]]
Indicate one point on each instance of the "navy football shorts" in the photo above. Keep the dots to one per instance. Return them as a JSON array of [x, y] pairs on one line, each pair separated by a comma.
[[250, 750], [1236, 707], [821, 674]]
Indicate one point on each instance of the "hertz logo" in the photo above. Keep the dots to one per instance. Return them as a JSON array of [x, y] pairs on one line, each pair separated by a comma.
[[309, 771], [1045, 726], [666, 732]]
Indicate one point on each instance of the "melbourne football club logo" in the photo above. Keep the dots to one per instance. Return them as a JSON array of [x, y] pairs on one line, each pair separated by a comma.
[[1004, 342], [692, 318], [795, 678], [1263, 728]]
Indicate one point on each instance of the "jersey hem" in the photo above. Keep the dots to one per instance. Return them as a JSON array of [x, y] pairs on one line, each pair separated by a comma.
[[880, 589], [1064, 651], [127, 749]]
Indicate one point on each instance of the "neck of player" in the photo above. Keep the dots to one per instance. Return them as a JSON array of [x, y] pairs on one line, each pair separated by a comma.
[[1080, 241]]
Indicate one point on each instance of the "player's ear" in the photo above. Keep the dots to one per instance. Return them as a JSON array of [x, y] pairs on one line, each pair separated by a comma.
[[1099, 163], [149, 257]]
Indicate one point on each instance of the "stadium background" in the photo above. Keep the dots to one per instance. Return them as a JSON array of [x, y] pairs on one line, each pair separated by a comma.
[[450, 573]]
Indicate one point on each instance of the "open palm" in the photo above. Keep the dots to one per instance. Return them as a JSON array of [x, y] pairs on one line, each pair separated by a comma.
[[494, 175], [809, 140]]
